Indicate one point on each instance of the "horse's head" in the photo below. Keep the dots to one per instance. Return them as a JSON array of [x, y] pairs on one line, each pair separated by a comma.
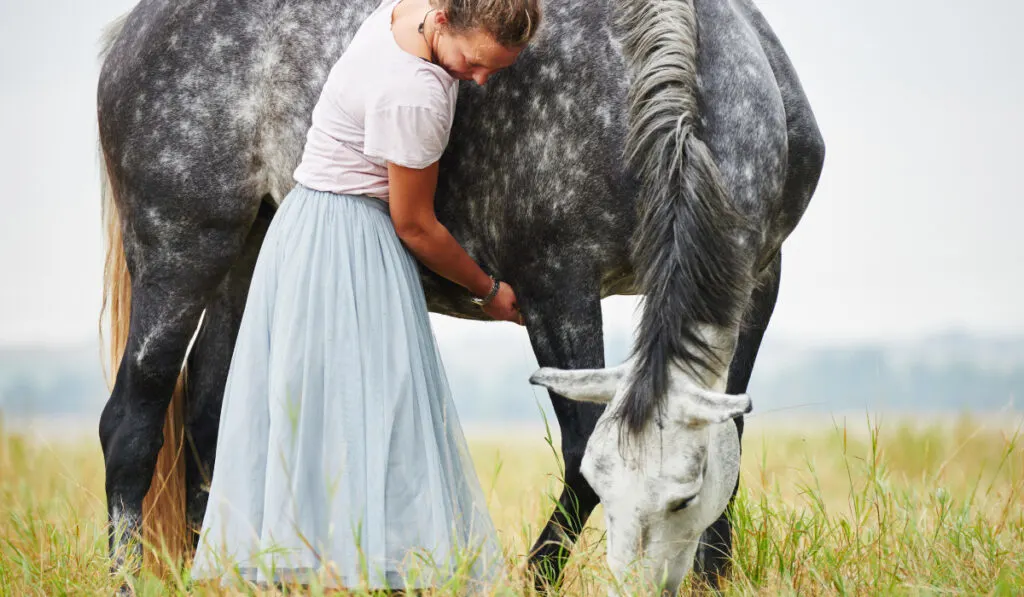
[[662, 487]]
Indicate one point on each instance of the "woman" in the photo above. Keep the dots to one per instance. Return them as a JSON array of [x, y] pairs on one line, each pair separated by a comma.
[[340, 455]]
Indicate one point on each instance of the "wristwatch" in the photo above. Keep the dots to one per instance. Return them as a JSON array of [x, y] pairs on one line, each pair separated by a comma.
[[486, 300]]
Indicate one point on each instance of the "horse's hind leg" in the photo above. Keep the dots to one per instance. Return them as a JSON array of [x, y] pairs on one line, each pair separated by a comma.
[[715, 553], [208, 364], [564, 324], [175, 261]]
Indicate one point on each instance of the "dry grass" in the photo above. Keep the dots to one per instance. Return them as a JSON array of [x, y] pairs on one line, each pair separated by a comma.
[[826, 507]]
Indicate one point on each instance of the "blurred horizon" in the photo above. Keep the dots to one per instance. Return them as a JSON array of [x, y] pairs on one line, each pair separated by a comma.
[[953, 373]]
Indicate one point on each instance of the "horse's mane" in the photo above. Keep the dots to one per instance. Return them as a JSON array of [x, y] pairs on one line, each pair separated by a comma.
[[689, 264]]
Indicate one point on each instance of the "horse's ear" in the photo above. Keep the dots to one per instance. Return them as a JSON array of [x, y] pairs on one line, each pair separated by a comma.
[[583, 385], [704, 407]]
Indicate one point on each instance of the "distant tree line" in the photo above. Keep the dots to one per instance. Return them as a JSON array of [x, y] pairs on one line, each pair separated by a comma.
[[39, 383]]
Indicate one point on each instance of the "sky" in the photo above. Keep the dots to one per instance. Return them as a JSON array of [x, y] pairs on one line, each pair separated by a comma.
[[914, 229]]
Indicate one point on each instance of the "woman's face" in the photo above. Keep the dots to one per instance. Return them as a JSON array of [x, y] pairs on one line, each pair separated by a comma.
[[473, 56]]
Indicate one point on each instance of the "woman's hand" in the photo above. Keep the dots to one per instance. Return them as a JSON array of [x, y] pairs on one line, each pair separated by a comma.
[[504, 306]]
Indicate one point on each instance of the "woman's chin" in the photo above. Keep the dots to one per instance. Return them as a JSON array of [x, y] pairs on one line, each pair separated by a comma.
[[458, 75]]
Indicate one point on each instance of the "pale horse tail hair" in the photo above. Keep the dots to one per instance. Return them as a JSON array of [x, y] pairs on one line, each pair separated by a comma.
[[163, 509], [689, 265]]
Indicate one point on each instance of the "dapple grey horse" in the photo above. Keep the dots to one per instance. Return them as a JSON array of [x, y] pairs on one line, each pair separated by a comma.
[[655, 147]]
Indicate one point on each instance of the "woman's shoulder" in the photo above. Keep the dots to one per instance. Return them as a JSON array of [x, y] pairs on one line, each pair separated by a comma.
[[417, 86], [409, 119]]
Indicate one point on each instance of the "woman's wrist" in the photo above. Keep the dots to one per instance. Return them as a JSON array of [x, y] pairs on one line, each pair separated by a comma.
[[482, 285], [486, 299]]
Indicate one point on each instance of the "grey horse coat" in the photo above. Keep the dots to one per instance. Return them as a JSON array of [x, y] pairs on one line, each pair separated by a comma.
[[203, 107]]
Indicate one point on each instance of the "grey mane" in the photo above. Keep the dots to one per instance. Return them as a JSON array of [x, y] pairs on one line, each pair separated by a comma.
[[685, 248]]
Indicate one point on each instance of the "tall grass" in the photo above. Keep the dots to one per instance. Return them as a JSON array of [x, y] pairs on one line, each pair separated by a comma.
[[865, 507], [898, 510]]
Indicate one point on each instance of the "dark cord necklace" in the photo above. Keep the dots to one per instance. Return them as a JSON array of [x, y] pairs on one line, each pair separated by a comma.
[[421, 30]]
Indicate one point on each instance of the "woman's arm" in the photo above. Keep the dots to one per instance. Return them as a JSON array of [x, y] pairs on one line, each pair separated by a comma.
[[412, 212]]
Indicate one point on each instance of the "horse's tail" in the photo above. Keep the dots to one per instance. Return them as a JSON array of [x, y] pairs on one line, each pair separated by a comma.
[[110, 34], [689, 264], [164, 505], [117, 293]]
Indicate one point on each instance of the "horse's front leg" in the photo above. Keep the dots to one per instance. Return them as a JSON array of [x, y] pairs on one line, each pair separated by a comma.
[[563, 318], [714, 558]]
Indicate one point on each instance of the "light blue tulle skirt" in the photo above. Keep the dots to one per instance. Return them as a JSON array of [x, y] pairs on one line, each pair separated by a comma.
[[340, 454]]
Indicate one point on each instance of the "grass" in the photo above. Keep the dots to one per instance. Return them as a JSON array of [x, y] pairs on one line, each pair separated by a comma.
[[829, 507]]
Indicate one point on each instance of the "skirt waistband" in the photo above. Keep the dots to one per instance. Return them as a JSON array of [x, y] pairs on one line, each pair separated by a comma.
[[375, 203]]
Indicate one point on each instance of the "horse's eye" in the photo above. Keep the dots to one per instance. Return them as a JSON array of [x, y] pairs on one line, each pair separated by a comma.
[[681, 504]]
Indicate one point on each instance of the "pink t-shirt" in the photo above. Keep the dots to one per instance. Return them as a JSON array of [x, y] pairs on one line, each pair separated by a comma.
[[380, 104]]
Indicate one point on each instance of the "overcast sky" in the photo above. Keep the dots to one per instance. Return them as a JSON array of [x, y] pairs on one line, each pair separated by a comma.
[[915, 227]]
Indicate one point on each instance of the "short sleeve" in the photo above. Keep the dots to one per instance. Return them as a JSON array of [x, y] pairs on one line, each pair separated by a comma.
[[410, 136]]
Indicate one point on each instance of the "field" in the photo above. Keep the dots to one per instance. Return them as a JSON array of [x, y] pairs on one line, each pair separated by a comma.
[[827, 506]]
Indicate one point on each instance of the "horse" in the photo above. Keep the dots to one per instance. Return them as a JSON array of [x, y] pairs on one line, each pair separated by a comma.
[[654, 147]]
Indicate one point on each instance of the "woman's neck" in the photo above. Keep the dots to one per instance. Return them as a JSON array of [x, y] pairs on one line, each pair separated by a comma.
[[406, 20]]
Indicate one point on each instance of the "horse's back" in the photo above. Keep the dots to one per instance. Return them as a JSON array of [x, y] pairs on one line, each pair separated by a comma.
[[214, 97]]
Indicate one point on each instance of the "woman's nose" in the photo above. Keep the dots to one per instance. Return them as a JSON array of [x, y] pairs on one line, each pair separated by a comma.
[[481, 78]]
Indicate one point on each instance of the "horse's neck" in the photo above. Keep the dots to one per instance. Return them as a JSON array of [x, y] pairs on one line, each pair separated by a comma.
[[722, 342]]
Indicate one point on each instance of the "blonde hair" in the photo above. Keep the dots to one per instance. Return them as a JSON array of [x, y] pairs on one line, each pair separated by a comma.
[[512, 23]]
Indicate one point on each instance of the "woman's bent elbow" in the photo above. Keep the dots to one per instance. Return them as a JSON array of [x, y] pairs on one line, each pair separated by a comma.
[[410, 233]]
